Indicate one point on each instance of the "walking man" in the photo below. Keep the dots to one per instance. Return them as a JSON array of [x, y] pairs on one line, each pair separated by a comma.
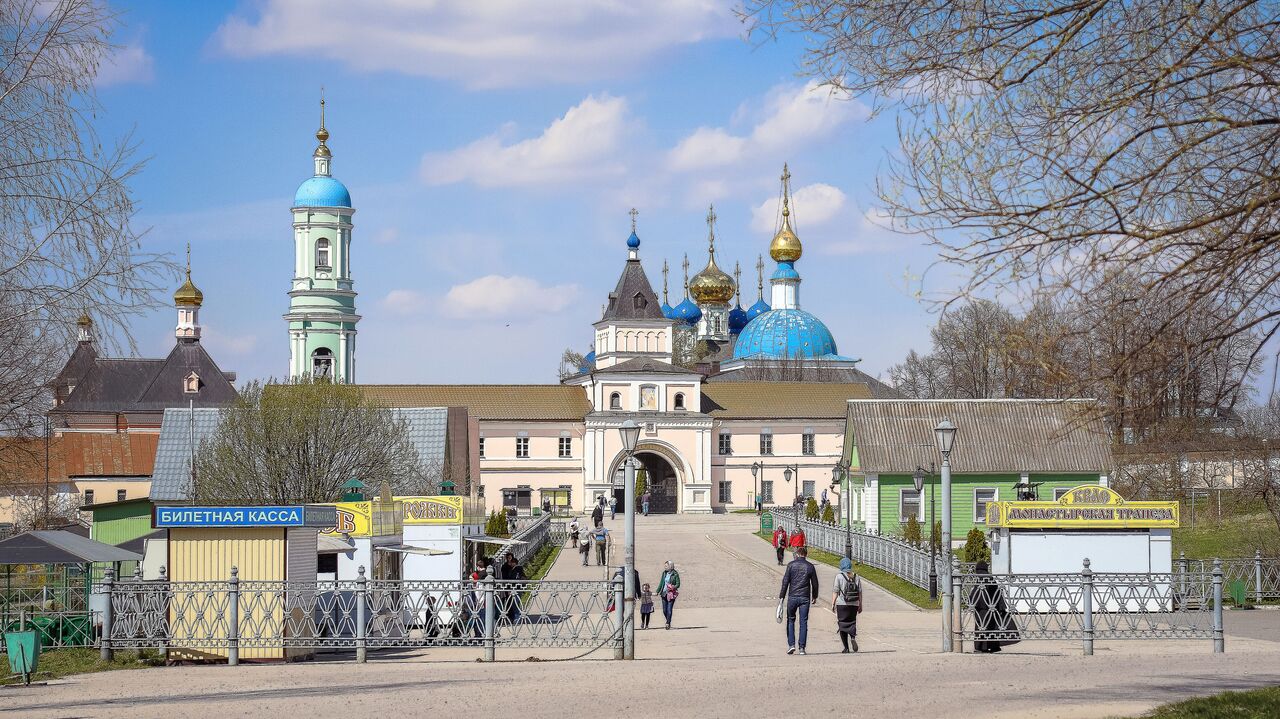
[[780, 543], [597, 514], [800, 590], [584, 544], [644, 502], [613, 508], [602, 542]]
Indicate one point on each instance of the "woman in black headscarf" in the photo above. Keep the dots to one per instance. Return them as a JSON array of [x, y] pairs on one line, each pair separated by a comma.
[[995, 627]]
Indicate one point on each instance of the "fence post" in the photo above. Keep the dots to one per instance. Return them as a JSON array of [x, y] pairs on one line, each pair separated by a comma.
[[953, 617], [616, 587], [108, 579], [1257, 576], [490, 617], [362, 637], [164, 581], [1219, 642], [1086, 594], [1182, 574], [233, 618]]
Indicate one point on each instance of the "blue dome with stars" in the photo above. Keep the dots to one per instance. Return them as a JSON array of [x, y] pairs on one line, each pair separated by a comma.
[[785, 334], [687, 312], [320, 191], [737, 319]]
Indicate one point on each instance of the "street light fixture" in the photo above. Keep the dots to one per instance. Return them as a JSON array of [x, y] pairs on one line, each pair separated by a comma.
[[630, 432], [839, 477], [945, 434], [789, 470], [757, 475], [918, 477]]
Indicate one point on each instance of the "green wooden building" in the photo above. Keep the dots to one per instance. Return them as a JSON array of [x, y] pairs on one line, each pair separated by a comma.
[[117, 523], [1003, 449]]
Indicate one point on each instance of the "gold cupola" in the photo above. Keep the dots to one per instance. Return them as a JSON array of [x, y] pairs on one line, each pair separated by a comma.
[[785, 246], [188, 295], [322, 135], [712, 285]]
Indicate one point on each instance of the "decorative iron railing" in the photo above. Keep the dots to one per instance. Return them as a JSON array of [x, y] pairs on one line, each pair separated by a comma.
[[884, 552]]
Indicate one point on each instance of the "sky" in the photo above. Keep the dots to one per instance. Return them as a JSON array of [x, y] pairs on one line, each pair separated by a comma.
[[493, 150]]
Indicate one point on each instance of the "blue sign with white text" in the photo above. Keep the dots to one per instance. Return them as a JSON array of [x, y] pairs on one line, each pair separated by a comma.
[[294, 516]]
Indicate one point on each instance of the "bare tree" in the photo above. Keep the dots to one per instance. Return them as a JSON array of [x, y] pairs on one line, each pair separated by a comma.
[[571, 363], [1109, 152], [299, 442], [66, 241]]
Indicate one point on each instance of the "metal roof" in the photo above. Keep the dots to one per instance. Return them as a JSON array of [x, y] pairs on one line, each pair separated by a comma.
[[994, 436], [633, 298], [780, 400], [52, 546], [547, 402]]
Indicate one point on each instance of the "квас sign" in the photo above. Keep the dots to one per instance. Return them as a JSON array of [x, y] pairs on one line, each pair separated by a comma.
[[1090, 506]]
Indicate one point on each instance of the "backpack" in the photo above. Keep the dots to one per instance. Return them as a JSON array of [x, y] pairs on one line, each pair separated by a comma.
[[851, 593]]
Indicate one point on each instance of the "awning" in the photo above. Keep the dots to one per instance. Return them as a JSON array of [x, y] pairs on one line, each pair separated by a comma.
[[326, 544], [52, 546], [139, 544], [501, 541], [407, 549]]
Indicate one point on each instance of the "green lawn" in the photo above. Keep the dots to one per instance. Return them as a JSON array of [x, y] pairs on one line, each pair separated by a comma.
[[889, 582], [1232, 537], [55, 663], [1255, 704]]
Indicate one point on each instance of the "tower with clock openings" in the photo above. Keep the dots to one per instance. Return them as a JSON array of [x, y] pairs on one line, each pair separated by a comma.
[[322, 299]]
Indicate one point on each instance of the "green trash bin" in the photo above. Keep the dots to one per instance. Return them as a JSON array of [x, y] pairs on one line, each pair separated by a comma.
[[24, 653]]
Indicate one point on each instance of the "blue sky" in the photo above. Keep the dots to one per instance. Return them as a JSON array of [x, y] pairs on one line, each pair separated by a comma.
[[492, 151]]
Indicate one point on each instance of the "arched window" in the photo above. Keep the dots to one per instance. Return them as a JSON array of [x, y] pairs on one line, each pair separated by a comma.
[[680, 400], [322, 253], [322, 363], [615, 401]]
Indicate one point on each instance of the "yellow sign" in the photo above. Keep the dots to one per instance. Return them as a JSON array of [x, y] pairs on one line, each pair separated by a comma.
[[1090, 506], [430, 510], [355, 519]]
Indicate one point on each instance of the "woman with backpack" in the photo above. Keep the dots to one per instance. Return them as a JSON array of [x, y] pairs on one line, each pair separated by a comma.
[[847, 604]]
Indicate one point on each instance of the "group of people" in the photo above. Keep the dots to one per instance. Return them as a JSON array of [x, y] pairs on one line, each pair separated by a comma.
[[781, 540], [668, 591], [583, 538], [800, 591]]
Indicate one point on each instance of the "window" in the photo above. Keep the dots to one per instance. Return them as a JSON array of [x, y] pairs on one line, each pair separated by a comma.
[[806, 443], [1059, 491], [806, 488], [522, 447], [909, 505], [615, 401], [766, 441], [648, 397], [679, 400], [726, 492], [566, 447], [726, 443], [327, 563], [981, 498], [322, 363], [88, 496], [482, 448], [766, 491], [639, 302], [191, 383], [121, 495], [322, 253]]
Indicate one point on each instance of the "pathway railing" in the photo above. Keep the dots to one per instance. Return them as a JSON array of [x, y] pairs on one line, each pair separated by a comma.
[[221, 618], [1250, 579], [531, 538], [884, 552], [1088, 606]]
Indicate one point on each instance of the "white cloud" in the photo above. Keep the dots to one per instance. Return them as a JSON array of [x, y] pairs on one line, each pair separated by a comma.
[[128, 64], [813, 205], [872, 232], [405, 302], [579, 145], [490, 43], [499, 295], [789, 118]]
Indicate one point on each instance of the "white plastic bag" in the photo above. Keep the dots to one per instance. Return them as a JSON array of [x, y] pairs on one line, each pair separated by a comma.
[[781, 604]]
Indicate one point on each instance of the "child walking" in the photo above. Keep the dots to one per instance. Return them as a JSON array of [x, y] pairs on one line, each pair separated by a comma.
[[646, 606]]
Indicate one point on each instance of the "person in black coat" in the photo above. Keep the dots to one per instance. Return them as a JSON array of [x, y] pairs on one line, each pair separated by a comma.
[[995, 627], [597, 515]]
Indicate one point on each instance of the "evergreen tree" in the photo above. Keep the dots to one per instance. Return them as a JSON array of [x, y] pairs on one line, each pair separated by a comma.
[[911, 532], [811, 509], [829, 514], [975, 547]]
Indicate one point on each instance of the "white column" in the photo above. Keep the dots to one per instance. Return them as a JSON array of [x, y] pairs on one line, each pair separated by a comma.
[[342, 357]]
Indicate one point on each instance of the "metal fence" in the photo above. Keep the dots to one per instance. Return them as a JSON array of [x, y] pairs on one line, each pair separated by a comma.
[[884, 552], [222, 618], [1250, 579], [530, 539], [1089, 606], [52, 601]]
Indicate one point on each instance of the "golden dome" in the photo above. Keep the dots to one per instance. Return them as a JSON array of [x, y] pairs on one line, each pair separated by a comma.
[[712, 285], [188, 295], [785, 246]]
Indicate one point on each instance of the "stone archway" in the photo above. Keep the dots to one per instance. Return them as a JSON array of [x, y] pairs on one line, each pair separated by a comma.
[[662, 475]]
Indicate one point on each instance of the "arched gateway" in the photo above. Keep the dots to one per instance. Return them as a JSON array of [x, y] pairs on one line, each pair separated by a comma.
[[661, 476]]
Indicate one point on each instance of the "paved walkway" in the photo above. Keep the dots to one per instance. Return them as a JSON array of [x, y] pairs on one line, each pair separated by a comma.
[[725, 657]]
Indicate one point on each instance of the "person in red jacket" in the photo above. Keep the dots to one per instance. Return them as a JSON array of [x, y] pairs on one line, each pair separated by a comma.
[[780, 542], [797, 539]]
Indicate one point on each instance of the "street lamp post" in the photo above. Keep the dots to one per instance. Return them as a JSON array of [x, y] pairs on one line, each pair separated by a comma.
[[630, 432], [757, 476], [933, 562], [840, 477], [945, 434], [786, 476]]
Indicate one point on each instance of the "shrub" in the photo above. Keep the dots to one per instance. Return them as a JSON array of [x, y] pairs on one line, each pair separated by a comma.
[[935, 537], [811, 509], [496, 526], [829, 514], [975, 547], [911, 532]]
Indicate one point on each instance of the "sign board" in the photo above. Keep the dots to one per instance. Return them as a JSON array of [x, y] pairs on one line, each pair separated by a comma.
[[430, 510], [308, 515], [354, 519], [766, 522], [1090, 506]]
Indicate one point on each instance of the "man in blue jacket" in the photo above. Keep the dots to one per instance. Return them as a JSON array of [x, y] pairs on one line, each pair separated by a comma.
[[800, 590]]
